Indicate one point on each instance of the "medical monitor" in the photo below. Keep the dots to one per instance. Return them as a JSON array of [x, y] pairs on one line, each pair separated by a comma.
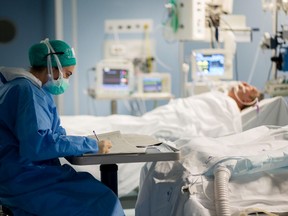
[[115, 78], [154, 83], [211, 64]]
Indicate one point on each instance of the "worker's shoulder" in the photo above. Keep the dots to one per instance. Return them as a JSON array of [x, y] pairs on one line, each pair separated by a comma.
[[21, 83], [24, 88]]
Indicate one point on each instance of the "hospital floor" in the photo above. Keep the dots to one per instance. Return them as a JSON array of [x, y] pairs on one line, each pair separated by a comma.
[[128, 203], [128, 212]]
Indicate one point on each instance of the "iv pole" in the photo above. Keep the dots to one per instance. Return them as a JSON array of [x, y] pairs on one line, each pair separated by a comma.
[[274, 30], [183, 82]]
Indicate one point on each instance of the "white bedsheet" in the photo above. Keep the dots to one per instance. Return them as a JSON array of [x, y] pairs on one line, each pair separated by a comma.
[[262, 185], [212, 114], [272, 111]]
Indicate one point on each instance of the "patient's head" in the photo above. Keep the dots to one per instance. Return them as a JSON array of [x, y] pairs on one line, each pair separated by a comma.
[[245, 95]]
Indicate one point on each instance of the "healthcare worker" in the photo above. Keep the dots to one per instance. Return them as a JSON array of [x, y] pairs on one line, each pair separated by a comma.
[[32, 180]]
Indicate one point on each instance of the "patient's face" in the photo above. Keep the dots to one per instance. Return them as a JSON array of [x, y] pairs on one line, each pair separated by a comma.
[[247, 93], [244, 95]]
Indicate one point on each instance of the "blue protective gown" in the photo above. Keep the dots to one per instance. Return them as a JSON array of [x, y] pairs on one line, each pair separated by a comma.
[[32, 180]]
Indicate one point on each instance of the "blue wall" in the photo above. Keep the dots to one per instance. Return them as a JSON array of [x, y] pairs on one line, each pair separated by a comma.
[[91, 36], [35, 21]]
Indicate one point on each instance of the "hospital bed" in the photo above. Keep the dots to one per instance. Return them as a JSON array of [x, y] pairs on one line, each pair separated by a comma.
[[271, 111], [210, 114], [239, 174]]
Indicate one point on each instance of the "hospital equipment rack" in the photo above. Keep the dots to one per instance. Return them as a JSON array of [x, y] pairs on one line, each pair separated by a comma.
[[108, 162]]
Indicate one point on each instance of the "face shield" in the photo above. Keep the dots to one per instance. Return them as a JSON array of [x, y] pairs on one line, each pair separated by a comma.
[[59, 85]]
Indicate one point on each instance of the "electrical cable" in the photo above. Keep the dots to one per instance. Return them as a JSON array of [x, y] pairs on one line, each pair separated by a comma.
[[149, 58], [89, 89], [252, 71], [211, 33], [236, 67], [269, 72], [158, 60]]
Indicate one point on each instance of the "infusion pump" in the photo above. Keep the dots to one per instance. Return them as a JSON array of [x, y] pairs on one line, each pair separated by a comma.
[[114, 78], [153, 85]]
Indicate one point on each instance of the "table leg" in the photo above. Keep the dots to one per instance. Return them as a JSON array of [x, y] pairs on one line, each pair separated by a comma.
[[109, 176]]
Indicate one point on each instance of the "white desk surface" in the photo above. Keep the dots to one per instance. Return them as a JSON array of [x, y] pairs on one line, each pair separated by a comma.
[[151, 154]]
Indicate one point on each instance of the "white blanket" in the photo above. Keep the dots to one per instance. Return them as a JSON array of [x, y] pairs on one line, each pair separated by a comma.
[[259, 178], [272, 111], [211, 114]]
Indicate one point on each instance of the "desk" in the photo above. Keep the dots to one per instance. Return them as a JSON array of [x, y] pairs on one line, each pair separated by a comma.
[[108, 162]]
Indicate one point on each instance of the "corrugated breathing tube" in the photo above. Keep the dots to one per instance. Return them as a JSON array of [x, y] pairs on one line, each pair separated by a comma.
[[221, 180]]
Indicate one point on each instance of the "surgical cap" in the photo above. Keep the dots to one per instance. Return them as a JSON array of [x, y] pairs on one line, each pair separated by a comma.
[[38, 54]]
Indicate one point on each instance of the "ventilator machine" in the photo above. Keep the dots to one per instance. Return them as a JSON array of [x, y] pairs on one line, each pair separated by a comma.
[[153, 84], [207, 21]]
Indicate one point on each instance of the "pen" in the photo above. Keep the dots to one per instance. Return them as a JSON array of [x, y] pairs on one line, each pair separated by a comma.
[[96, 136]]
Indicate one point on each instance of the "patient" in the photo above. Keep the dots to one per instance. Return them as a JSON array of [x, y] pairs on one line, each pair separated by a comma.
[[245, 95]]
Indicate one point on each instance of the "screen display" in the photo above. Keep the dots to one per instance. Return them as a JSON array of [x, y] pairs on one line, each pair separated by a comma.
[[115, 78], [210, 64], [152, 84]]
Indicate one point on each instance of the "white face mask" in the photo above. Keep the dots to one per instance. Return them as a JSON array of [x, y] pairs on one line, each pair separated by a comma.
[[60, 85]]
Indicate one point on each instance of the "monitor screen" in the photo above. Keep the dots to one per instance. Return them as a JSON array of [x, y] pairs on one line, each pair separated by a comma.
[[115, 78], [152, 84], [210, 64]]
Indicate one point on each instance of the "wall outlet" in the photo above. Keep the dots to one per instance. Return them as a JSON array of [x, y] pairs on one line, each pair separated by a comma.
[[118, 49], [129, 49], [128, 26]]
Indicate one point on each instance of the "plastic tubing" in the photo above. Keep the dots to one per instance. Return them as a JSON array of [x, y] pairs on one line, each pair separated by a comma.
[[221, 180]]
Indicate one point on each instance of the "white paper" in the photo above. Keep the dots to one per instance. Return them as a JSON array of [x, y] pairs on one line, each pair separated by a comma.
[[140, 140], [119, 144]]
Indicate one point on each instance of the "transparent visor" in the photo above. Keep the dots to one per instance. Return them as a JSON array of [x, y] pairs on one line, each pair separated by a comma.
[[49, 63]]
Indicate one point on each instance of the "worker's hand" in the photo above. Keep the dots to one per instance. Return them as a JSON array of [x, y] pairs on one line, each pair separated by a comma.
[[104, 146]]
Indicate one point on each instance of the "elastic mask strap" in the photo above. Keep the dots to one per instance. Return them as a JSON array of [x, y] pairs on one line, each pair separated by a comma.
[[242, 86], [49, 61], [242, 102]]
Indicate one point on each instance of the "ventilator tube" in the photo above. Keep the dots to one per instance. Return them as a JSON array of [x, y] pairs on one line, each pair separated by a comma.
[[221, 179]]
